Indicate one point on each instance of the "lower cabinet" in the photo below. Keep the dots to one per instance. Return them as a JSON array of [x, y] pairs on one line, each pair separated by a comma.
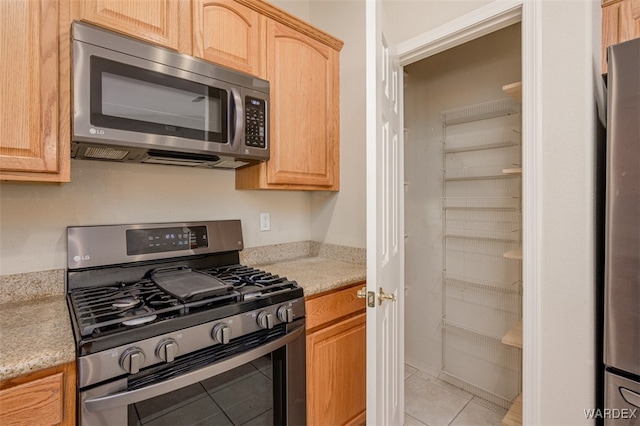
[[46, 397], [336, 358]]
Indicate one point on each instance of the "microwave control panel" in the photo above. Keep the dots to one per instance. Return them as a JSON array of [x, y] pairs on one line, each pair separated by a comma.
[[255, 124]]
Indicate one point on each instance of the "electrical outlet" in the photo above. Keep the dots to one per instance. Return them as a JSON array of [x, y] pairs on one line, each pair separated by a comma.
[[265, 222]]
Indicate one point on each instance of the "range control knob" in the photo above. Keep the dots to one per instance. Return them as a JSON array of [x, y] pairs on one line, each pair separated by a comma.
[[285, 313], [221, 333], [131, 360], [167, 350], [265, 320]]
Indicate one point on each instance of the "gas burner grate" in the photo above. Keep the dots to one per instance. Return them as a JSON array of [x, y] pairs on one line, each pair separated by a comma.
[[104, 309], [252, 283], [240, 275]]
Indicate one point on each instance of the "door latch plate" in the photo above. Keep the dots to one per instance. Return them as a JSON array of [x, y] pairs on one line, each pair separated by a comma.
[[371, 299]]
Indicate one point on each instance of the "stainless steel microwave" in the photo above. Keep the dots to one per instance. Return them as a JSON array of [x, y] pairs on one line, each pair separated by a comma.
[[136, 102]]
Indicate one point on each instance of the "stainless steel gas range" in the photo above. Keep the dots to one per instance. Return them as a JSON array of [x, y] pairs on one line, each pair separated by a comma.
[[168, 323]]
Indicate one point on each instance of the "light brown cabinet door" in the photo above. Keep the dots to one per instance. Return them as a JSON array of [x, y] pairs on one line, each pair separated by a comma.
[[163, 22], [230, 34], [304, 103], [620, 22], [30, 147], [336, 373], [43, 397], [32, 402]]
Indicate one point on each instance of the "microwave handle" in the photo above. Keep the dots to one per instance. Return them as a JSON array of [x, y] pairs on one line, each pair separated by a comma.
[[236, 117]]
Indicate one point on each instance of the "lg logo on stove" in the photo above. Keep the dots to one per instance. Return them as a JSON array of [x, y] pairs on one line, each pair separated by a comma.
[[79, 258]]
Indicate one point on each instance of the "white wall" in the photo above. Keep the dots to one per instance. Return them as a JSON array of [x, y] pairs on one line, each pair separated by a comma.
[[413, 17], [566, 264], [339, 218], [298, 8], [34, 216]]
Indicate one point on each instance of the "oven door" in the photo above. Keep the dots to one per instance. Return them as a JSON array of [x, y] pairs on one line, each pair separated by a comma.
[[254, 380]]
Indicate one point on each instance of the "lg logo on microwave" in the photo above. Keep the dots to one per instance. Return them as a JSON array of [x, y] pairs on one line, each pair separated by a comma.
[[79, 258], [96, 131]]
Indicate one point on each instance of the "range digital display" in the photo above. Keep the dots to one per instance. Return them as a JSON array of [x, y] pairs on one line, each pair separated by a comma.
[[160, 240]]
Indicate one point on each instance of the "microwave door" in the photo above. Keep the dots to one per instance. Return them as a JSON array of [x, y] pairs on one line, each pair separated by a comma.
[[125, 101], [125, 97]]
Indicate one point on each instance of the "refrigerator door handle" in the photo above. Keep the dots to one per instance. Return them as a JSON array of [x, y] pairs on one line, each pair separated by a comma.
[[630, 396]]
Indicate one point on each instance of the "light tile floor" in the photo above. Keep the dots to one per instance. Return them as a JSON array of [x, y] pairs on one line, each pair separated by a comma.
[[428, 401], [241, 396], [433, 402]]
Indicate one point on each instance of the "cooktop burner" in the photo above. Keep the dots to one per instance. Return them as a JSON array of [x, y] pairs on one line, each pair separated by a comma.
[[107, 309], [128, 283]]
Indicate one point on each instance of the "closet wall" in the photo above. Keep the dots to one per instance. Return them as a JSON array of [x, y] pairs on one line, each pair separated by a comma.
[[466, 75]]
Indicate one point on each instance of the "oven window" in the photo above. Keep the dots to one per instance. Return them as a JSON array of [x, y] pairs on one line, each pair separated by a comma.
[[242, 396], [129, 98]]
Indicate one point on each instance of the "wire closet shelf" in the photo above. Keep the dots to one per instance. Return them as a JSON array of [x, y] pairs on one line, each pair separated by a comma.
[[481, 288]]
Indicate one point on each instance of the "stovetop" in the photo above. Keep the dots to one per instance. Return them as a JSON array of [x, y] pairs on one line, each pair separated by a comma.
[[128, 283], [104, 310]]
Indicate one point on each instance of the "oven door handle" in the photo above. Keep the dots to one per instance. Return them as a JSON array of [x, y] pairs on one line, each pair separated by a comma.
[[130, 397]]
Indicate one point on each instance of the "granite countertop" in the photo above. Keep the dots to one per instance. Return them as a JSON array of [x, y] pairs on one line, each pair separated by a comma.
[[317, 274], [34, 335], [316, 267], [35, 328]]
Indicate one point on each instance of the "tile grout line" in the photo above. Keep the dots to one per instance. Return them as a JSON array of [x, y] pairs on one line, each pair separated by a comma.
[[469, 397], [459, 412]]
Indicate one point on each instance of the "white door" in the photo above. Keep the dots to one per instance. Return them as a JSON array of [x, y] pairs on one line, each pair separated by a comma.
[[385, 226]]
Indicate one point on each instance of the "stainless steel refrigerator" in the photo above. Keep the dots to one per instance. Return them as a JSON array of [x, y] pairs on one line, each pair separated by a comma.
[[622, 238]]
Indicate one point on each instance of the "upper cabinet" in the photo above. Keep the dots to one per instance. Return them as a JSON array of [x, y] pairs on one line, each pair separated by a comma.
[[230, 34], [163, 22], [303, 67], [304, 105], [620, 22], [301, 62], [34, 145]]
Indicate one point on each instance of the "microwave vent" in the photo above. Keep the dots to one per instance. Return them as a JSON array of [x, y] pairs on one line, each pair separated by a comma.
[[105, 153]]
